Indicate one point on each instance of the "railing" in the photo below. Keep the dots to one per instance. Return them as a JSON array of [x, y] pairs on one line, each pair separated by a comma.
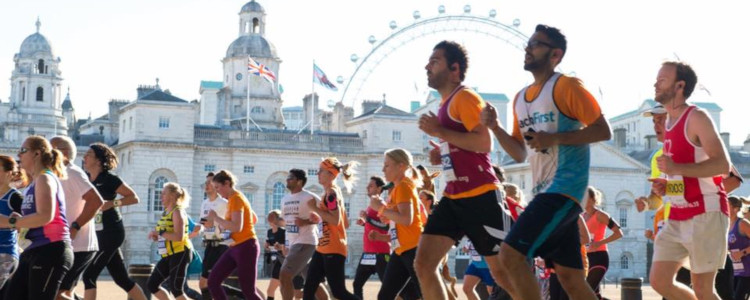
[[215, 137]]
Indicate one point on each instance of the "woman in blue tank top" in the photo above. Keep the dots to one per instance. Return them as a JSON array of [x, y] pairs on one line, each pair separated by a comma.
[[45, 262], [10, 202]]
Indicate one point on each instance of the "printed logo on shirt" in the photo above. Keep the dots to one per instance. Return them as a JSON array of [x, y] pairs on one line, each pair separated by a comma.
[[537, 118]]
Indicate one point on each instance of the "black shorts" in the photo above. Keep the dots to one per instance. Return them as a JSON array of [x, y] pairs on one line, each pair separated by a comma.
[[210, 257], [548, 228], [276, 269], [485, 219], [81, 260], [298, 282]]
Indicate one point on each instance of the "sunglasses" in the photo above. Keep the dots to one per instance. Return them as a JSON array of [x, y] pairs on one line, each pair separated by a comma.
[[23, 150]]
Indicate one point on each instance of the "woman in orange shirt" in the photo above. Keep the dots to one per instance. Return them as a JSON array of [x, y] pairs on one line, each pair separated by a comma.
[[405, 221], [243, 251], [330, 255]]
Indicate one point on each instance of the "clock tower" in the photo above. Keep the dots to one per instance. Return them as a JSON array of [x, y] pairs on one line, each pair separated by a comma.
[[264, 97]]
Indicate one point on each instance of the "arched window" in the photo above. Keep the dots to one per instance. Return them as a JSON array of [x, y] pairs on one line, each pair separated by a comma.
[[624, 262], [255, 26], [155, 193], [40, 94], [40, 66], [279, 189]]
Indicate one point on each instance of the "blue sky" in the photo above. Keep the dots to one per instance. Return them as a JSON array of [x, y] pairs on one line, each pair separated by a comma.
[[108, 48]]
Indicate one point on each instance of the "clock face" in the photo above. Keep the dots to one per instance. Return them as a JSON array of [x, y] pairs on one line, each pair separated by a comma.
[[238, 76]]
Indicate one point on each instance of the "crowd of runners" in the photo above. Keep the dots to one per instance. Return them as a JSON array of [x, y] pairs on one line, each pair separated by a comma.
[[559, 236]]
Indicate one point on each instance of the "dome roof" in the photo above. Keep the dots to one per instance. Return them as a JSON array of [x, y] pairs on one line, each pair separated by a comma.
[[253, 45], [252, 6], [33, 44]]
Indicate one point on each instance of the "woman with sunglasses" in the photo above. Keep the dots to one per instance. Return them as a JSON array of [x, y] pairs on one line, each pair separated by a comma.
[[99, 162], [44, 263]]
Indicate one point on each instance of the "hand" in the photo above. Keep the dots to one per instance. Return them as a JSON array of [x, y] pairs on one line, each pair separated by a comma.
[[372, 235], [361, 222], [430, 124], [541, 141], [594, 245], [314, 218], [488, 116], [107, 205], [153, 235], [649, 234], [435, 155], [279, 246], [736, 255], [658, 186], [73, 233], [640, 204], [211, 216], [362, 214], [667, 165]]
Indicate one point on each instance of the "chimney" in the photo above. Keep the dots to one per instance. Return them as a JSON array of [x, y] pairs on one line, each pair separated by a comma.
[[415, 105], [306, 108], [619, 137], [651, 142], [725, 139]]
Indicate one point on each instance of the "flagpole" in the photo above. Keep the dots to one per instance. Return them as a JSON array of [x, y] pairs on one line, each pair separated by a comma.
[[312, 103]]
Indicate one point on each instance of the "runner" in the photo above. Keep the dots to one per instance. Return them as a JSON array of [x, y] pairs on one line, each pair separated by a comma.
[[99, 161], [739, 248], [694, 161], [275, 239], [174, 246], [329, 257], [470, 204], [10, 202], [555, 119], [82, 202], [44, 263], [302, 232], [242, 255], [375, 253], [476, 272], [405, 222], [212, 236], [597, 222]]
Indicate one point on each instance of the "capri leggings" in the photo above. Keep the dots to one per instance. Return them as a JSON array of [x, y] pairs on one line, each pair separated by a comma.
[[174, 266], [330, 267], [40, 271], [109, 256], [243, 258], [598, 265]]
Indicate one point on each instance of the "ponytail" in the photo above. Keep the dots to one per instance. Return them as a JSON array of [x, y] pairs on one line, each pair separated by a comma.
[[349, 173], [50, 158]]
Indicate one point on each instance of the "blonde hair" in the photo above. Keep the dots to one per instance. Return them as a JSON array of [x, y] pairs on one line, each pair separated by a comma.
[[183, 198], [276, 213], [50, 158], [518, 196], [403, 156], [593, 194], [348, 171]]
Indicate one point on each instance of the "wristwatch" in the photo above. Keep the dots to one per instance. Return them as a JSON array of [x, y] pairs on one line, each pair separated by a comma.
[[75, 225], [117, 202], [12, 222]]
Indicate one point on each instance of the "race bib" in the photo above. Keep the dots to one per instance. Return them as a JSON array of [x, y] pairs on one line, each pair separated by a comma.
[[368, 259], [274, 256], [676, 188], [394, 236], [475, 255], [292, 229], [447, 162], [737, 264], [98, 225], [210, 233], [161, 244]]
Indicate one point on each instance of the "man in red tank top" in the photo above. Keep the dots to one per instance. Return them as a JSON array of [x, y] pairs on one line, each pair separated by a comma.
[[694, 160]]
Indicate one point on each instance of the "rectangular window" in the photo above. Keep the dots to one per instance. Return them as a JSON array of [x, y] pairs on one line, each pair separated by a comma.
[[397, 135], [209, 168], [249, 169], [312, 172], [131, 122], [163, 122], [123, 125], [623, 217]]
